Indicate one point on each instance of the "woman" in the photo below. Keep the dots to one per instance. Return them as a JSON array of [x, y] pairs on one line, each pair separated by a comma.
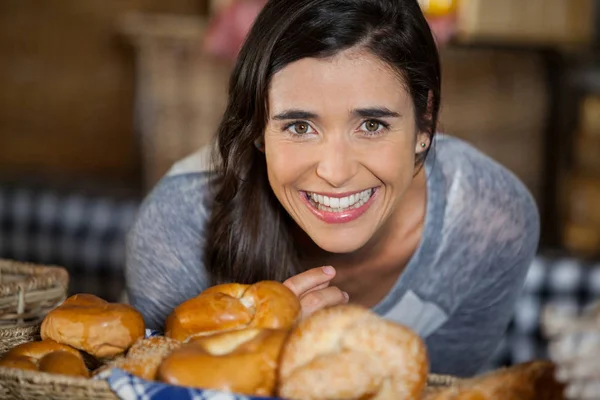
[[325, 183]]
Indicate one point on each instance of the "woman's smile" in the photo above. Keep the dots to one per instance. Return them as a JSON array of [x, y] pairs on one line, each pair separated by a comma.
[[336, 208]]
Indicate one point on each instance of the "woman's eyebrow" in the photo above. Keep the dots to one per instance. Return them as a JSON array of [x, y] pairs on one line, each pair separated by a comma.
[[295, 114], [375, 112], [370, 112]]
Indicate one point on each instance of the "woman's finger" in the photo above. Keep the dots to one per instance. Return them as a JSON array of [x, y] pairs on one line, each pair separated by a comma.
[[318, 299], [300, 284], [319, 287]]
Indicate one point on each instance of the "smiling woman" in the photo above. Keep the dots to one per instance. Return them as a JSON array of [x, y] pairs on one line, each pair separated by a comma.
[[341, 144], [331, 178]]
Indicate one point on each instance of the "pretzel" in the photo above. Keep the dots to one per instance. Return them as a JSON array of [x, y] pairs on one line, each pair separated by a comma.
[[266, 304]]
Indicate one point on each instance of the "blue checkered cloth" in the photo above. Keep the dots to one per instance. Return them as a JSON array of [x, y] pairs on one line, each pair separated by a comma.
[[129, 387]]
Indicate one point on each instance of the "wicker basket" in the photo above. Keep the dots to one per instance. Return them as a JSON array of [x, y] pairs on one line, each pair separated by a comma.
[[28, 292], [31, 385], [11, 337], [17, 384]]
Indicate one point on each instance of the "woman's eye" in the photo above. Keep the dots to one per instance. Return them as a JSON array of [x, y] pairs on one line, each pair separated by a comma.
[[373, 126], [300, 128]]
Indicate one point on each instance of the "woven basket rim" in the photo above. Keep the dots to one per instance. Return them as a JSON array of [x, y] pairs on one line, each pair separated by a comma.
[[37, 277], [44, 378], [23, 330], [437, 379]]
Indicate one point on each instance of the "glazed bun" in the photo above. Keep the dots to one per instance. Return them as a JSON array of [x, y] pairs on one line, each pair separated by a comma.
[[63, 362], [93, 325], [37, 350], [46, 356], [348, 352], [266, 304], [243, 361], [19, 362]]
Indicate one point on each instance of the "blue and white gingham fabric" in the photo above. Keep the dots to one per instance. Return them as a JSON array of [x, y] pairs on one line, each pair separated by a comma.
[[130, 387]]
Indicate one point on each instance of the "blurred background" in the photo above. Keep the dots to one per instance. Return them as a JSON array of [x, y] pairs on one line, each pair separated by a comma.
[[98, 98]]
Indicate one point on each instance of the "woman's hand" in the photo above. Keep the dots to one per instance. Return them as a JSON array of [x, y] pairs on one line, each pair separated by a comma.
[[313, 290]]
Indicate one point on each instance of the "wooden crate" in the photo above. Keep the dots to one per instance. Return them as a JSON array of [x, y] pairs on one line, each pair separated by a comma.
[[181, 93], [483, 96], [581, 200], [550, 22], [581, 239]]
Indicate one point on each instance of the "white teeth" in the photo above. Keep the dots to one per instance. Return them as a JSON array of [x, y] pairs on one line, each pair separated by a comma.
[[344, 202], [336, 204]]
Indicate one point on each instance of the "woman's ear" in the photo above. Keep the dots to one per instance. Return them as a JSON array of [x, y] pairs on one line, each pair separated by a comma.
[[423, 142]]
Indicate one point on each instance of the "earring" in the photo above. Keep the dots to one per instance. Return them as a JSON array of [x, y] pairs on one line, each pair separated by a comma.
[[257, 144], [423, 145]]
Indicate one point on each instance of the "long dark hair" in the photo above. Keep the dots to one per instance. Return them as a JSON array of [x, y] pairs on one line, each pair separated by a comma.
[[248, 236]]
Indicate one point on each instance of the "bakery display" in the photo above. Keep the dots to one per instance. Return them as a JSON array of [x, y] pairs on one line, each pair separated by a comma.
[[251, 340], [93, 325], [242, 361], [46, 356], [266, 304], [348, 352]]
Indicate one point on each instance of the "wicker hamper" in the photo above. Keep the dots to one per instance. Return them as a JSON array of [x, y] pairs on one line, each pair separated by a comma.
[[25, 385], [17, 384], [31, 385], [27, 293]]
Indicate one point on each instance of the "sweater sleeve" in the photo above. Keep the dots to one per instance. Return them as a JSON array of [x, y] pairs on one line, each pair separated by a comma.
[[165, 246], [459, 349]]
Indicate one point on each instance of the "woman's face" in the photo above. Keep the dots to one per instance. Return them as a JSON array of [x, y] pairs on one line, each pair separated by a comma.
[[340, 146]]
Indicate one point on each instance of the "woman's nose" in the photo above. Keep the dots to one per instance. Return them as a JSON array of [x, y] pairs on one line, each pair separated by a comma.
[[337, 164]]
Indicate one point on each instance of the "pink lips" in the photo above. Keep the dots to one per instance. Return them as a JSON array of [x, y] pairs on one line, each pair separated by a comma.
[[343, 216]]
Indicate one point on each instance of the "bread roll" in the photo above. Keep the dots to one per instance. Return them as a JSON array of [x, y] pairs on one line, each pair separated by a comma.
[[348, 352], [528, 381], [144, 357], [93, 325], [243, 361], [19, 362], [266, 304], [46, 356], [37, 350], [64, 363]]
